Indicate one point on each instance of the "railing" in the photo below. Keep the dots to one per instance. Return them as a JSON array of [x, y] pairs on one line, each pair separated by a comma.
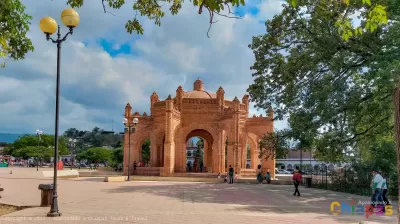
[[349, 182]]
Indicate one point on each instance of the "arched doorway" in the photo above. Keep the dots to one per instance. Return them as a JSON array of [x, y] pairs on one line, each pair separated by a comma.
[[198, 148], [144, 153]]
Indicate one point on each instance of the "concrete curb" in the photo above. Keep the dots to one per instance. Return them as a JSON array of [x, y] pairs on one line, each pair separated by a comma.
[[189, 179]]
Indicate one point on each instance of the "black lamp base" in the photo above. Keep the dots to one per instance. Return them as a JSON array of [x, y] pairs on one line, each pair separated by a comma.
[[53, 214]]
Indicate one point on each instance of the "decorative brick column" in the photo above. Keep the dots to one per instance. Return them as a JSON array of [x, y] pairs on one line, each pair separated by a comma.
[[169, 146]]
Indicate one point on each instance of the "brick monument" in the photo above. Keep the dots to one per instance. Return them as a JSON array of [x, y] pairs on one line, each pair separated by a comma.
[[218, 121]]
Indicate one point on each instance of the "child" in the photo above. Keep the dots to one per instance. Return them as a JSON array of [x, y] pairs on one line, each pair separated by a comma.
[[268, 178], [226, 178], [219, 175], [236, 176]]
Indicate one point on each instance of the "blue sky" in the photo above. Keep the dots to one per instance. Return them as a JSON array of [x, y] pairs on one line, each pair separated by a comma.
[[103, 67]]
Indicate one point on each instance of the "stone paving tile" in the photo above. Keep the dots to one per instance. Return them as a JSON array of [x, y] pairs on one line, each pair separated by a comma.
[[93, 201]]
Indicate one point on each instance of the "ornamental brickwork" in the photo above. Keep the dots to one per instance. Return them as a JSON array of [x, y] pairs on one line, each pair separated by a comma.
[[198, 113]]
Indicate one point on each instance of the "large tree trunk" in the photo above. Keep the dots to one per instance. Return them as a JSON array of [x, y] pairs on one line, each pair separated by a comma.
[[396, 102]]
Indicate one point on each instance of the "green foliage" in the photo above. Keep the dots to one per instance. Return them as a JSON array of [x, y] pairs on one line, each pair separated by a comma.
[[199, 152], [96, 155], [248, 154], [14, 43], [24, 145], [40, 152], [118, 155], [274, 145], [154, 11], [335, 97], [146, 151], [374, 14], [95, 138]]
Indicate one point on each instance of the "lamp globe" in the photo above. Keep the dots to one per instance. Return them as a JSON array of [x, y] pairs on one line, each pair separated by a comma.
[[48, 25], [70, 18]]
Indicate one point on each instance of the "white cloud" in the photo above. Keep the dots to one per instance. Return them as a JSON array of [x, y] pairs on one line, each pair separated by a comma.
[[95, 86]]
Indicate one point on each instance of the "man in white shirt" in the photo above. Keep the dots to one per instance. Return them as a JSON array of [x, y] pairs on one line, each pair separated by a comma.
[[377, 190]]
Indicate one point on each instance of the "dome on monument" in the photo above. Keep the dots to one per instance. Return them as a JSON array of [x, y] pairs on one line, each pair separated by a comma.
[[199, 92]]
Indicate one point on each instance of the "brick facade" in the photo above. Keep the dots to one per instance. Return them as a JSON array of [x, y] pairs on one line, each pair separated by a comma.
[[174, 121]]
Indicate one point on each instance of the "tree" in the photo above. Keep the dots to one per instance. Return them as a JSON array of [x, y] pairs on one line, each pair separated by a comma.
[[118, 155], [46, 141], [39, 152], [373, 12], [98, 154], [248, 155], [337, 98], [154, 11], [333, 97], [274, 145], [146, 151], [199, 151], [82, 155], [14, 43]]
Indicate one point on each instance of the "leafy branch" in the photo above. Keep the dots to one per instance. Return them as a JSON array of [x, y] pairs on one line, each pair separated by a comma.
[[154, 11]]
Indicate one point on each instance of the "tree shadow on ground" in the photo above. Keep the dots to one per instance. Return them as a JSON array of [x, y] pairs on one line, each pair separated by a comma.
[[262, 199]]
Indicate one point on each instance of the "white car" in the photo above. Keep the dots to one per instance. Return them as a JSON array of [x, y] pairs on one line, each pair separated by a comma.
[[281, 171]]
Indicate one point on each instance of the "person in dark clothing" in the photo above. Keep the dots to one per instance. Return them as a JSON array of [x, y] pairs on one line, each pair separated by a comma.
[[201, 166], [385, 189], [297, 178], [231, 172], [268, 178], [259, 178]]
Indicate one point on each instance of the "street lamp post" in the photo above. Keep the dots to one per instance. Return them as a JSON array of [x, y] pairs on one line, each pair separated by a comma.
[[130, 126], [38, 134], [70, 18], [72, 147]]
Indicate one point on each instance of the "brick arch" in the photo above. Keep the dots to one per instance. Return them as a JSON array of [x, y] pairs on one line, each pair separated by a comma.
[[138, 140], [252, 139], [184, 133]]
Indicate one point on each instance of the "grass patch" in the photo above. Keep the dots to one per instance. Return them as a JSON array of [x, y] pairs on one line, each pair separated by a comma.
[[7, 209]]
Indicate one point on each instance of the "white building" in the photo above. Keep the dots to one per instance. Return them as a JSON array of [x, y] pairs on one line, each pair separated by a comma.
[[191, 149], [294, 159]]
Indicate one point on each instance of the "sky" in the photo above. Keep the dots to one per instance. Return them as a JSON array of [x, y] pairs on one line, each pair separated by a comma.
[[103, 67]]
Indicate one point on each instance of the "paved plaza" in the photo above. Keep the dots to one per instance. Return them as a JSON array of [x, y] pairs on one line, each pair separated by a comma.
[[90, 200]]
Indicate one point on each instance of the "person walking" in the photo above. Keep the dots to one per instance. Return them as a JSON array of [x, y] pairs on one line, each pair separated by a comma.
[[296, 181], [259, 177], [377, 190], [231, 172], [384, 190]]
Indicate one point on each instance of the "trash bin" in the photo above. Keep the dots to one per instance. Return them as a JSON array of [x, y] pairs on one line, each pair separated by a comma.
[[47, 194], [308, 182]]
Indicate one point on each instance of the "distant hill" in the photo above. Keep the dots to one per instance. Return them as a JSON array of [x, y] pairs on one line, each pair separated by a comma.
[[9, 138]]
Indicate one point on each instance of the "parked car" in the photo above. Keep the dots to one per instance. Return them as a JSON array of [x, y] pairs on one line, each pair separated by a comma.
[[281, 171], [33, 164]]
